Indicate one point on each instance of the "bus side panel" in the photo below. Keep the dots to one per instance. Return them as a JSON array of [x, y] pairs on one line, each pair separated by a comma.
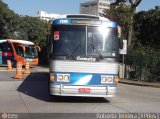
[[17, 58], [6, 52], [7, 56], [0, 57]]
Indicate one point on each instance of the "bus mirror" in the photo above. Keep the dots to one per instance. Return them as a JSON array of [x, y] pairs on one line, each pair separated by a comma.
[[123, 50], [38, 48], [22, 47], [120, 43]]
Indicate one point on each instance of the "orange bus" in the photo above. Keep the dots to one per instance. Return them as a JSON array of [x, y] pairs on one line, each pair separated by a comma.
[[18, 51]]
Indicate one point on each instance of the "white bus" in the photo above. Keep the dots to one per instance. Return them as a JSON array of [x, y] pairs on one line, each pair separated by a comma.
[[83, 56]]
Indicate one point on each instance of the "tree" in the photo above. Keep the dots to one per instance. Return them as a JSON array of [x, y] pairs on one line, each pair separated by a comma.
[[8, 20], [122, 14], [147, 27], [132, 4], [14, 26], [33, 29]]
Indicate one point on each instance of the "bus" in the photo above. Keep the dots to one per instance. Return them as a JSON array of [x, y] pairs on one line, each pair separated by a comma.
[[83, 53], [18, 51]]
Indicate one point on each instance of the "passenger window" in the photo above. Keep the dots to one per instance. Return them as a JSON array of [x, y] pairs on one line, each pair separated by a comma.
[[5, 47]]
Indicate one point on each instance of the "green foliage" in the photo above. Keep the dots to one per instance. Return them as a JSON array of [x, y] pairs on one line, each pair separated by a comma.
[[123, 15], [151, 60], [8, 20], [33, 29], [147, 27], [22, 27], [133, 3], [146, 32]]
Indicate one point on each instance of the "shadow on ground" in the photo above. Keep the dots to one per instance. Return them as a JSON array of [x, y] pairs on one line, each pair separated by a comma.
[[36, 86]]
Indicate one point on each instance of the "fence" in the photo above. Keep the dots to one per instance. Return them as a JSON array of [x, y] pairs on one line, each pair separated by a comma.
[[142, 67]]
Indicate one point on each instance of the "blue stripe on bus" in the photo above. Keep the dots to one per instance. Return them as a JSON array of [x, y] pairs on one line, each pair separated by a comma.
[[66, 21], [83, 78]]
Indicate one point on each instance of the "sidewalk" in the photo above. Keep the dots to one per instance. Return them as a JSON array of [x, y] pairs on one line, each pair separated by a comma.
[[39, 68], [6, 75], [4, 68], [140, 83]]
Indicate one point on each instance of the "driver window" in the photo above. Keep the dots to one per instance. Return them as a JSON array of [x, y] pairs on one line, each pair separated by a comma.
[[19, 50]]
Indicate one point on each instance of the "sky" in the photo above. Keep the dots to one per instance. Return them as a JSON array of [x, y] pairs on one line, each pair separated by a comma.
[[31, 7]]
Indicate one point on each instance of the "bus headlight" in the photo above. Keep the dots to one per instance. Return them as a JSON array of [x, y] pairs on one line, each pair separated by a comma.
[[51, 77], [63, 77], [106, 79], [66, 78], [60, 78], [116, 79]]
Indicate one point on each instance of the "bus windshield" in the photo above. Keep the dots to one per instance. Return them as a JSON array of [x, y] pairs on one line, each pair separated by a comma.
[[30, 52], [69, 40], [84, 41], [101, 40]]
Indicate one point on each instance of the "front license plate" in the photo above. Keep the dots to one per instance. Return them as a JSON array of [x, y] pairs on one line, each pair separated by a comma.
[[84, 90]]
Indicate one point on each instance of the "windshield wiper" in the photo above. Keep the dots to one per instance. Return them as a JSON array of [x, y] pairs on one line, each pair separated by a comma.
[[99, 53], [71, 54]]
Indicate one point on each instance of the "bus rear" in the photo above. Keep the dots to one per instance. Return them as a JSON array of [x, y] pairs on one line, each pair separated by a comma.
[[83, 55]]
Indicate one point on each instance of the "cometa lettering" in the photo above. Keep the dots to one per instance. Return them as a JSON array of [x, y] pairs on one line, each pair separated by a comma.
[[86, 59]]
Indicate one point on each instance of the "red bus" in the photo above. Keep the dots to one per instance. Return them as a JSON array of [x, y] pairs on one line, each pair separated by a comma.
[[18, 51]]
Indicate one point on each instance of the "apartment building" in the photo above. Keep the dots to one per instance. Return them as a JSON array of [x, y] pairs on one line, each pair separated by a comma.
[[46, 16], [94, 7]]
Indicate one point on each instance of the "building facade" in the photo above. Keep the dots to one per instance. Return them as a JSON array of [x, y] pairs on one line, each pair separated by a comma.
[[46, 16], [94, 7]]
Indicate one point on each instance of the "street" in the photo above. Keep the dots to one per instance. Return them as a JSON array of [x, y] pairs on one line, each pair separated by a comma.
[[31, 96]]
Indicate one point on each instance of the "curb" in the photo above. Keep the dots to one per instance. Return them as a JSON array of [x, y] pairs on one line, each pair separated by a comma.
[[5, 70], [146, 84], [35, 70]]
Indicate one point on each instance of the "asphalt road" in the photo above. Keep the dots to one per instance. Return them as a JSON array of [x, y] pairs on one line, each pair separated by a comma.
[[31, 96]]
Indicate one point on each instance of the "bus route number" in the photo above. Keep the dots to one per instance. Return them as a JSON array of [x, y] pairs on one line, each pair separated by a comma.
[[63, 21]]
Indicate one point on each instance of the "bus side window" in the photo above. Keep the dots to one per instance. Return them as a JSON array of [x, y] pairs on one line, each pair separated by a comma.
[[9, 47], [1, 47], [6, 47], [51, 50]]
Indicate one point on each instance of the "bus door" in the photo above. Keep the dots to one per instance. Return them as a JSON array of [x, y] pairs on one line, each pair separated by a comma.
[[6, 52]]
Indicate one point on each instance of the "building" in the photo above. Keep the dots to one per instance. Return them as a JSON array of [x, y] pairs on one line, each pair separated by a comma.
[[94, 7], [46, 16]]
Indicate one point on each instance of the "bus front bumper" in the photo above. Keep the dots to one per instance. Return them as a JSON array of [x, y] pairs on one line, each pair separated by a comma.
[[86, 91]]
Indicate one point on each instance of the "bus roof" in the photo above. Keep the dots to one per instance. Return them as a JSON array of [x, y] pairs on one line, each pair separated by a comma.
[[24, 42], [82, 16]]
